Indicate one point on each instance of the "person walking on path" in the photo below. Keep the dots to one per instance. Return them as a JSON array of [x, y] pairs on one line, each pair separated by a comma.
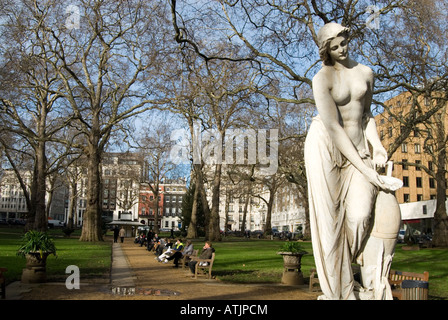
[[122, 234], [116, 231]]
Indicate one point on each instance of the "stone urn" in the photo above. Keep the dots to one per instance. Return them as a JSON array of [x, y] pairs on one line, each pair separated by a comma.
[[36, 247], [36, 268], [292, 273]]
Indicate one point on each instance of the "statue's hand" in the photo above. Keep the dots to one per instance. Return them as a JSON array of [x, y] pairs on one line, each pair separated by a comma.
[[374, 178], [379, 157]]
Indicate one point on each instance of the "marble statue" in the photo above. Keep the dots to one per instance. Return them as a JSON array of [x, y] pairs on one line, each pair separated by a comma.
[[342, 152]]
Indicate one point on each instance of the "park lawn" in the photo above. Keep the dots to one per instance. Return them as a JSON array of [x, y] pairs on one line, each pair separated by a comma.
[[256, 261], [93, 259], [249, 261], [237, 260], [433, 260]]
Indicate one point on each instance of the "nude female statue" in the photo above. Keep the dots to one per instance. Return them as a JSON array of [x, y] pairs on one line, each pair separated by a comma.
[[342, 181]]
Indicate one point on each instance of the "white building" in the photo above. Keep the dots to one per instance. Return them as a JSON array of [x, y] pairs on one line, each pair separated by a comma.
[[287, 212], [122, 175], [13, 202], [12, 199]]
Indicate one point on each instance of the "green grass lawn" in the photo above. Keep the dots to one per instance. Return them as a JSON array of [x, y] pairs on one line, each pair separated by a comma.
[[237, 260], [93, 259], [256, 261]]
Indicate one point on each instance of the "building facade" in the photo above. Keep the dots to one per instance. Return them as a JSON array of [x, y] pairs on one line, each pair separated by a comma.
[[168, 204], [12, 199], [13, 205], [411, 158], [122, 176], [287, 212]]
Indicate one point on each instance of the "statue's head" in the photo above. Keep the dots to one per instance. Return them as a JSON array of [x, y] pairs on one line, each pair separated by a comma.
[[325, 35]]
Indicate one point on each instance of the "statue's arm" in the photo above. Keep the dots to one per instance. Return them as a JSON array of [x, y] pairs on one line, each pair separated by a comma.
[[379, 153]]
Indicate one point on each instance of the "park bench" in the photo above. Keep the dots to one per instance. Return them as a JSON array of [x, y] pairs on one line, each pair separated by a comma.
[[187, 258], [204, 264], [3, 283], [404, 285], [409, 285]]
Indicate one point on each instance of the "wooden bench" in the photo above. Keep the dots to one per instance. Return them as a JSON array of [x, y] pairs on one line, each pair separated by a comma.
[[205, 264], [3, 283], [187, 258], [409, 285]]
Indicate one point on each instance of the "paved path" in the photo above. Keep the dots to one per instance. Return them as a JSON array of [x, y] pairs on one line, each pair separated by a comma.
[[121, 273]]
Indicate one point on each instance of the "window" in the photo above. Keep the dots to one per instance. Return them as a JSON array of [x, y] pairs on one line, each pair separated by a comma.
[[432, 183], [419, 197], [417, 148], [416, 132], [405, 164], [418, 182], [390, 132], [406, 197], [418, 164], [405, 181], [404, 147]]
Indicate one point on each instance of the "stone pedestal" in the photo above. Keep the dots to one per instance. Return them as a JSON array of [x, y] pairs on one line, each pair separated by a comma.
[[36, 268], [292, 275]]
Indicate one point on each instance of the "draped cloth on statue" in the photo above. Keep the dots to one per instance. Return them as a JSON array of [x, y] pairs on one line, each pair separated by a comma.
[[340, 201]]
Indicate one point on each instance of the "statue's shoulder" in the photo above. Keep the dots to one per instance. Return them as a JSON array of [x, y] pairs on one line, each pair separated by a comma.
[[367, 71], [323, 75]]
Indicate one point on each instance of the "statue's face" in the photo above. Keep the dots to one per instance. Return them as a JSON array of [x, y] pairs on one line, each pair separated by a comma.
[[338, 49]]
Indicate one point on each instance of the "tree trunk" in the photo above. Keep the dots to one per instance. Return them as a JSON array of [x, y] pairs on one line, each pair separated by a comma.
[[40, 220], [214, 232], [246, 204], [192, 232], [440, 237], [268, 225], [91, 226], [72, 205], [156, 209], [205, 206]]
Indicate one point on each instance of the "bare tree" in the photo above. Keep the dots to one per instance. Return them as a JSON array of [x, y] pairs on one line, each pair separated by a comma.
[[30, 105], [155, 145], [104, 61], [403, 40]]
